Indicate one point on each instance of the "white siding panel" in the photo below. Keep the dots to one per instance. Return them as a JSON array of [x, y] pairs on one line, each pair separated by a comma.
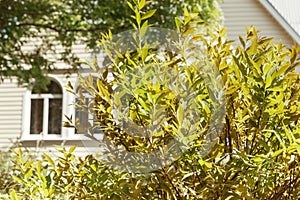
[[8, 104], [290, 11], [239, 14], [11, 98]]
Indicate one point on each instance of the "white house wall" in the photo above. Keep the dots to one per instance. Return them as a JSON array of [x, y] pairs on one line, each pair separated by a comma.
[[11, 107], [290, 10], [239, 14], [12, 120]]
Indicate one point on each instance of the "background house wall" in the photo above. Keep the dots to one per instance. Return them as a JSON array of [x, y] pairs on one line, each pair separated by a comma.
[[11, 107], [12, 119], [239, 14]]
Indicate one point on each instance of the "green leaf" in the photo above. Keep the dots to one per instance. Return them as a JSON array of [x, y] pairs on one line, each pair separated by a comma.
[[180, 114], [21, 181], [28, 173], [158, 134], [276, 153], [93, 166], [130, 5], [207, 164], [144, 29], [142, 4], [14, 196], [178, 23], [148, 14], [232, 89], [71, 150], [186, 12], [242, 41], [49, 160], [144, 53], [269, 81], [138, 17], [102, 90], [279, 139]]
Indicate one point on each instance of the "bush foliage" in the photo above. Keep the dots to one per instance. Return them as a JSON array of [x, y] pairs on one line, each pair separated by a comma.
[[256, 156]]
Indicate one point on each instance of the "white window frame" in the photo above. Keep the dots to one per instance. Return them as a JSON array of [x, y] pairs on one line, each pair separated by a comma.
[[90, 116], [46, 98], [67, 109]]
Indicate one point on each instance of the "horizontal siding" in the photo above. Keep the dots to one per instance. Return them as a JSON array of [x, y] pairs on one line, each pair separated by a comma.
[[239, 14], [290, 11], [10, 103], [81, 51], [11, 106]]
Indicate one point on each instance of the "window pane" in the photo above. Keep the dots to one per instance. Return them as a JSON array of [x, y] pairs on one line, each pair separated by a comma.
[[36, 117], [96, 124], [87, 117], [95, 120], [55, 111], [52, 88], [82, 116]]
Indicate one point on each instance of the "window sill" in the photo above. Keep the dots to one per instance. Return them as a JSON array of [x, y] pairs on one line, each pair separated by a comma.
[[78, 140], [58, 138]]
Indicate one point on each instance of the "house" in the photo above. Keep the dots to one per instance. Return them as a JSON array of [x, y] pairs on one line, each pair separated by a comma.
[[274, 18], [25, 115], [36, 120]]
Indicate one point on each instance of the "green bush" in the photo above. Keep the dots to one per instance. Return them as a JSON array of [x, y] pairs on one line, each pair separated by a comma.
[[6, 181], [7, 168], [256, 155]]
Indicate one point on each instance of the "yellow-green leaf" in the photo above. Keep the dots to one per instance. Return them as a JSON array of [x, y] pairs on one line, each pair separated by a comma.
[[276, 153], [269, 81], [138, 17], [180, 114], [148, 14], [51, 162], [130, 5], [14, 196], [142, 4]]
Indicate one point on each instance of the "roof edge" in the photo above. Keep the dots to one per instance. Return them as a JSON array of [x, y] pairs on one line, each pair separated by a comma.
[[281, 20]]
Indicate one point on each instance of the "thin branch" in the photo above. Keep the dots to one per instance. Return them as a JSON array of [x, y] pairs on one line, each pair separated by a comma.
[[47, 26]]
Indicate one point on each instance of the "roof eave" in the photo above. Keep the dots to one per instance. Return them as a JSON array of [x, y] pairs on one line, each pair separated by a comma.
[[291, 31]]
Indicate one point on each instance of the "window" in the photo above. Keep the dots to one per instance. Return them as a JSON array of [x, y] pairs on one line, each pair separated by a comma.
[[46, 111], [42, 115], [86, 116]]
